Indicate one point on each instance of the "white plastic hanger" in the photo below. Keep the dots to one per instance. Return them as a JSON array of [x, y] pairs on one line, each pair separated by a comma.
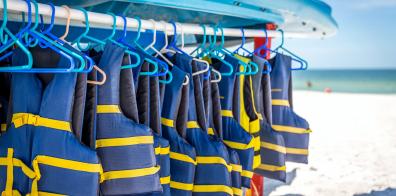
[[207, 67], [158, 53]]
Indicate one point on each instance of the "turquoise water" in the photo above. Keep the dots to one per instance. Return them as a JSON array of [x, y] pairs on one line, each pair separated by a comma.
[[351, 81]]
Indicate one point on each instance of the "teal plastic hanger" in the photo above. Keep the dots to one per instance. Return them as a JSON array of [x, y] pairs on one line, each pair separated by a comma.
[[7, 37], [200, 48], [247, 66], [212, 52], [147, 57], [55, 46]]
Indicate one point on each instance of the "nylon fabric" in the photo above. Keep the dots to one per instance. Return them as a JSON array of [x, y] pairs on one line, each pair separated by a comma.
[[38, 95], [127, 166], [212, 155], [235, 137], [182, 154], [248, 114], [272, 145], [294, 129], [149, 106]]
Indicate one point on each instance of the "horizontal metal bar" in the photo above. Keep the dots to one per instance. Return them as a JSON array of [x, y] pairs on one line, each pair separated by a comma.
[[106, 21]]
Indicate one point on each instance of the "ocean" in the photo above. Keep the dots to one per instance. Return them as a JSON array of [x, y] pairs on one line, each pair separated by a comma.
[[350, 81]]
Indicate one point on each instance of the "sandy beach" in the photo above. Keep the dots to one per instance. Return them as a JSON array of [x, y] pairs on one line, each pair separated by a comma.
[[352, 147]]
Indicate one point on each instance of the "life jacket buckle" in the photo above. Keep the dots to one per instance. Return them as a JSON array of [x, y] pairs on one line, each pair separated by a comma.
[[33, 120]]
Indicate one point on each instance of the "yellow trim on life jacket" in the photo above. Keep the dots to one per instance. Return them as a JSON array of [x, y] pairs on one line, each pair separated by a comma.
[[256, 160], [280, 102], [3, 127], [274, 147], [254, 126], [297, 151], [227, 113], [212, 188], [289, 129], [103, 109], [192, 124], [48, 194], [237, 191], [161, 151], [21, 119], [126, 141], [236, 168], [272, 168], [182, 157], [10, 171], [167, 122], [213, 160], [276, 90], [165, 180], [211, 131], [181, 186], [239, 146], [69, 164], [131, 173], [247, 174]]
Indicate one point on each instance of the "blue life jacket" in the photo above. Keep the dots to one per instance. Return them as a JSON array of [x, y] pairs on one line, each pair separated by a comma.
[[234, 136], [149, 107], [182, 154], [124, 147], [215, 129], [294, 129], [272, 145], [39, 153], [213, 172]]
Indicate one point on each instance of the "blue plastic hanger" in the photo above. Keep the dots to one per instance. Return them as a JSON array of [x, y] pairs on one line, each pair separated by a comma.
[[251, 53], [137, 47], [55, 46], [8, 41]]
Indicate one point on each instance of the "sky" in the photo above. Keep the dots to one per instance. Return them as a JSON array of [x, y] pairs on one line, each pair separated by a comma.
[[366, 38]]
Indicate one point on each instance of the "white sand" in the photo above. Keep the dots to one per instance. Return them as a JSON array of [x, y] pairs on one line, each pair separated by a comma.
[[352, 147]]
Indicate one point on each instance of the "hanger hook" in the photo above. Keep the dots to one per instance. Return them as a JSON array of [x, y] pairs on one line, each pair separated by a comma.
[[63, 37], [4, 37], [114, 26], [124, 31], [165, 34], [139, 29], [173, 43], [154, 35], [52, 19], [282, 39]]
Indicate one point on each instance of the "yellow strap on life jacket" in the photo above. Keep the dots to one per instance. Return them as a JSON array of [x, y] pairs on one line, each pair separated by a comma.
[[10, 171], [132, 173], [181, 186], [107, 109], [167, 122], [297, 151], [192, 124], [21, 119], [239, 146], [165, 180], [125, 141], [280, 102], [227, 113], [274, 147], [182, 157], [3, 127], [161, 151], [236, 168], [211, 131], [247, 174], [237, 191], [290, 129], [213, 160], [272, 168], [212, 188]]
